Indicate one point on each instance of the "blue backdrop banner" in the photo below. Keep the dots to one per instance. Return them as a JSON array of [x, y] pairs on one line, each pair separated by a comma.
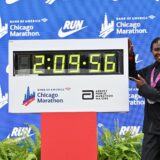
[[77, 19]]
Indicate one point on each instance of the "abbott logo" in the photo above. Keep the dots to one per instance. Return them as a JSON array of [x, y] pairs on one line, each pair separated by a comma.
[[87, 94], [50, 1], [71, 27], [106, 27], [3, 29]]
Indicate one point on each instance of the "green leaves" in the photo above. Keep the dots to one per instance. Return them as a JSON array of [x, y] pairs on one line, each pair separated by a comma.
[[118, 147], [24, 148]]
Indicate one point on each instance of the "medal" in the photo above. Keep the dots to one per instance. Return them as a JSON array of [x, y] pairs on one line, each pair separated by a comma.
[[150, 102], [153, 83]]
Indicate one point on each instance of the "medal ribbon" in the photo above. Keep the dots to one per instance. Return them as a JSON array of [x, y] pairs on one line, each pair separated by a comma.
[[153, 83]]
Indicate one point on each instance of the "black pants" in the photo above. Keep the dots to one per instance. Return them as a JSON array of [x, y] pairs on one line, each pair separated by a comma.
[[151, 147]]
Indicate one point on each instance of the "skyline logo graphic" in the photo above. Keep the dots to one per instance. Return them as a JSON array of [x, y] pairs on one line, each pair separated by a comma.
[[3, 29], [50, 1], [11, 1], [28, 97], [71, 27], [106, 27], [3, 98]]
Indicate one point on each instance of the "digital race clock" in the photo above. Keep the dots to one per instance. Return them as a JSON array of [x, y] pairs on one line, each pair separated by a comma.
[[68, 75], [68, 62]]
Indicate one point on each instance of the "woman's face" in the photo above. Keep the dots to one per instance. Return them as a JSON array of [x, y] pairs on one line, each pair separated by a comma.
[[156, 51]]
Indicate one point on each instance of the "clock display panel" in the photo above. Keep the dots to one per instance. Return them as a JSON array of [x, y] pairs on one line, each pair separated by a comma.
[[90, 62]]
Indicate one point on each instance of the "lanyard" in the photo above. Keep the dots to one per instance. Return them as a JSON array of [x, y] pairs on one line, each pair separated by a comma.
[[153, 83]]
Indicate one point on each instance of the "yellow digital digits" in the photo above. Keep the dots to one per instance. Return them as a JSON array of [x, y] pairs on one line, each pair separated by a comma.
[[74, 60], [109, 66], [59, 60], [38, 66], [98, 63], [94, 60]]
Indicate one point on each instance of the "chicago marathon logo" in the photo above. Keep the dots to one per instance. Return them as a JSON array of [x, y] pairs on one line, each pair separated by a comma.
[[125, 25], [28, 97]]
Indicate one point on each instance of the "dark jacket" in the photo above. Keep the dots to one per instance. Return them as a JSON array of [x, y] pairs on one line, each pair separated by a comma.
[[151, 111]]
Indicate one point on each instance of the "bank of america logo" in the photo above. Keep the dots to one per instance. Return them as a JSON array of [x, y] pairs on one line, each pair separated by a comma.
[[71, 27], [3, 98], [28, 97], [3, 29], [106, 27]]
